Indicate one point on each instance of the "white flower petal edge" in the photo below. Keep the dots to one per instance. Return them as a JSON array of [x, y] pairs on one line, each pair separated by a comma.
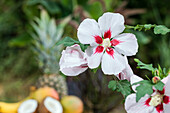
[[112, 21], [73, 61], [73, 71], [127, 73], [167, 85], [128, 44], [93, 58], [87, 30], [113, 64], [132, 106]]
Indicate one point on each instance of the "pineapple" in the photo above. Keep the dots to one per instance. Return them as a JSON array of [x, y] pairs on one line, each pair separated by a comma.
[[45, 37], [55, 81]]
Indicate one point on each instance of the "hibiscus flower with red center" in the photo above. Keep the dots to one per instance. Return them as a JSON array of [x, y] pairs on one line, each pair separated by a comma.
[[107, 45], [158, 102]]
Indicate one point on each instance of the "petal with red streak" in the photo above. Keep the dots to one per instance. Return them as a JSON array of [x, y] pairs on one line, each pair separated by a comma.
[[98, 39], [113, 22], [107, 34], [132, 106], [94, 55], [113, 62], [87, 30]]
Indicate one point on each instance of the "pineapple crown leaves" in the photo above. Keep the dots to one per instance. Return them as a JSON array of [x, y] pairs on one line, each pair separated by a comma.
[[46, 35]]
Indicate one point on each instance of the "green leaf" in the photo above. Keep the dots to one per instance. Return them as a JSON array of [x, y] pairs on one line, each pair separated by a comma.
[[142, 90], [143, 82], [84, 46], [123, 86], [95, 9], [159, 86], [161, 29], [147, 26], [112, 85], [51, 6], [67, 41], [141, 65]]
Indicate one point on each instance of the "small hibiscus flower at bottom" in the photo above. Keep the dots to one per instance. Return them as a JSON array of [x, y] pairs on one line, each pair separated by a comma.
[[158, 102]]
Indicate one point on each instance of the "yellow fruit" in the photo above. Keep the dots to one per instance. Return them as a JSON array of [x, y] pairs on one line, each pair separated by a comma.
[[42, 93], [9, 107], [72, 104]]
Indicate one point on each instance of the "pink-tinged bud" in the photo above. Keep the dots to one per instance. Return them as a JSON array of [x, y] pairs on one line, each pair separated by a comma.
[[156, 79]]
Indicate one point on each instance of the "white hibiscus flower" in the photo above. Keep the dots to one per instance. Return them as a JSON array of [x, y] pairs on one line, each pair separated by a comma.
[[107, 45], [73, 61], [158, 102]]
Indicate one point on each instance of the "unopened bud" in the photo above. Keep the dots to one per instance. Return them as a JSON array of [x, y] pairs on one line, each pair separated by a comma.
[[155, 79]]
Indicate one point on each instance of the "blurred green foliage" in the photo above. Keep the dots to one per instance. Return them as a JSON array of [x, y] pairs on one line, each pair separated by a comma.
[[18, 64]]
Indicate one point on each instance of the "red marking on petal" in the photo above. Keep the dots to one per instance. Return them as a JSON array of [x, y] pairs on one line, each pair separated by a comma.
[[162, 92], [159, 108], [99, 49], [98, 39], [107, 34], [120, 76], [166, 99], [147, 102], [115, 42], [110, 51]]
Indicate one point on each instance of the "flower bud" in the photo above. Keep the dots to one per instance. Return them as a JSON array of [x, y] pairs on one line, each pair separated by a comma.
[[155, 79]]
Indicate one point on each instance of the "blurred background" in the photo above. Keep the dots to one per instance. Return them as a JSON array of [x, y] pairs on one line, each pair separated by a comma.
[[20, 69]]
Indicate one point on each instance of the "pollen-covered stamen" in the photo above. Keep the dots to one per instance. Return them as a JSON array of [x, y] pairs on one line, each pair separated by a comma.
[[115, 42], [107, 34], [106, 43], [156, 100], [99, 49], [110, 51], [98, 39]]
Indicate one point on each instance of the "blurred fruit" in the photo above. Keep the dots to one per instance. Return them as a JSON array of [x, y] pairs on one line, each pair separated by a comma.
[[55, 81], [72, 104], [50, 105], [9, 107], [41, 93], [28, 106]]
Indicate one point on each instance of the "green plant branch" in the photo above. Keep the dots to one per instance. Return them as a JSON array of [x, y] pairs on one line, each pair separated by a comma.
[[158, 29]]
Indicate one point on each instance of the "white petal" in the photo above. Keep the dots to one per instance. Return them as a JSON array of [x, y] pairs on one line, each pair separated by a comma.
[[72, 56], [112, 21], [126, 73], [73, 71], [166, 108], [167, 85], [87, 30], [93, 58], [112, 65], [73, 61], [128, 44], [133, 80], [132, 107]]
